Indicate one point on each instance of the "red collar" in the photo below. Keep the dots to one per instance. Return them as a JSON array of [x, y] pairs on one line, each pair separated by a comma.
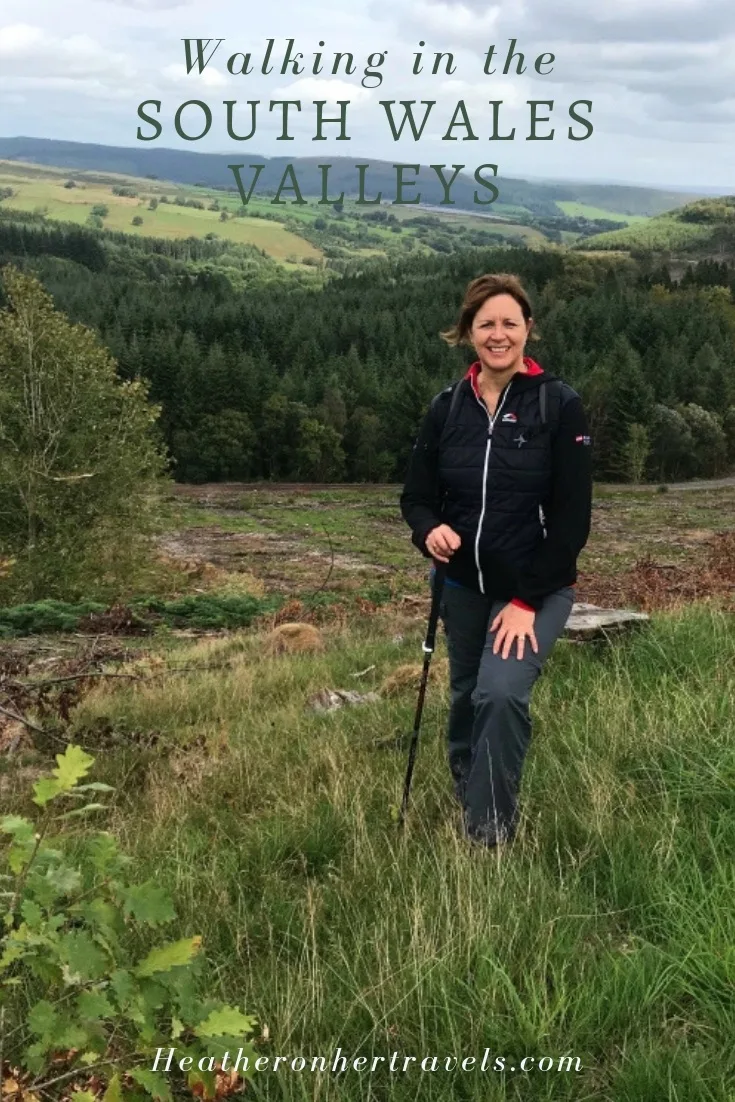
[[532, 368]]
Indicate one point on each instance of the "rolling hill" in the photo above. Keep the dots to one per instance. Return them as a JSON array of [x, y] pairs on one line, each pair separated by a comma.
[[702, 228], [187, 167]]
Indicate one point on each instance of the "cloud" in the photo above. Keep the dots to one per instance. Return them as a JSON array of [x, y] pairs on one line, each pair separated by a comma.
[[31, 54], [613, 20], [320, 88], [458, 21], [209, 78], [19, 39], [660, 74]]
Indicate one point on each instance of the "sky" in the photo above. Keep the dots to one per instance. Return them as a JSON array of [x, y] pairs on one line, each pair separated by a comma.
[[660, 75]]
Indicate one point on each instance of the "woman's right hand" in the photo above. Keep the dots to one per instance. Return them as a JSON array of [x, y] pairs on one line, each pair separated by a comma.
[[442, 542]]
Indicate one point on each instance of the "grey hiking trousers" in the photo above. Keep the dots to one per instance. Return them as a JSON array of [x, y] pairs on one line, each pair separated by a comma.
[[489, 727]]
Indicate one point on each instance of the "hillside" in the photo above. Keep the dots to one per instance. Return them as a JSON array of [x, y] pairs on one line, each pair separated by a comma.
[[699, 229], [602, 935], [188, 167], [311, 234]]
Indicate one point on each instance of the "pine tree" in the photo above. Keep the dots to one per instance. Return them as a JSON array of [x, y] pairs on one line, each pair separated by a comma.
[[631, 401]]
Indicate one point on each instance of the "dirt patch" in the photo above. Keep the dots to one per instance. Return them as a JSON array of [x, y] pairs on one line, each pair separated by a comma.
[[215, 492], [649, 585], [39, 691], [279, 561]]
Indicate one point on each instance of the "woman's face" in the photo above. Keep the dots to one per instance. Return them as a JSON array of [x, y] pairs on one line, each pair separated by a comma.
[[499, 333]]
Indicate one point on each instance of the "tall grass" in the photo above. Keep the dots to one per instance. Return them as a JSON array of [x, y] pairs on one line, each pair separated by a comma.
[[606, 931]]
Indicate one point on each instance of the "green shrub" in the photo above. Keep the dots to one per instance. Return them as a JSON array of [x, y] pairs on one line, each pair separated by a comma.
[[87, 984], [201, 610]]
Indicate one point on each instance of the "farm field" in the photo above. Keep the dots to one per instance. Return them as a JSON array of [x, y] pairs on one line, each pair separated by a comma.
[[42, 189], [601, 936], [168, 220], [583, 210]]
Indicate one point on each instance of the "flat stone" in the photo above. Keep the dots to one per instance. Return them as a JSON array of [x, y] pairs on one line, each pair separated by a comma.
[[591, 621], [329, 700]]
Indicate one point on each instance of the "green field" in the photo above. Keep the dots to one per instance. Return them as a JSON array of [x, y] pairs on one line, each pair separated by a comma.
[[582, 210], [660, 233], [40, 188], [168, 220]]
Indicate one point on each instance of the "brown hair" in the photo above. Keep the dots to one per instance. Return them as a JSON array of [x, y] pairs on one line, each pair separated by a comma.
[[478, 292]]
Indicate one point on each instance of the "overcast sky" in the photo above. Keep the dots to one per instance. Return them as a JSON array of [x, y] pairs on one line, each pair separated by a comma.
[[660, 75]]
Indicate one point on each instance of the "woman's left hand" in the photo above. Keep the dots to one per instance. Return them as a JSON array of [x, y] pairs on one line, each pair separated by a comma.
[[513, 623]]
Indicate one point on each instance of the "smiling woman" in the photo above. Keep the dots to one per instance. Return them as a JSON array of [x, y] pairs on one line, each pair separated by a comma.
[[499, 495]]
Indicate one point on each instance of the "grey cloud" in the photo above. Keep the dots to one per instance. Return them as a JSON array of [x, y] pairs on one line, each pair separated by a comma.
[[680, 50], [614, 20]]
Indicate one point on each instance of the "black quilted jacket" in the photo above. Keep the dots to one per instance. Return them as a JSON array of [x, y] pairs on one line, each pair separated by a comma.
[[517, 492]]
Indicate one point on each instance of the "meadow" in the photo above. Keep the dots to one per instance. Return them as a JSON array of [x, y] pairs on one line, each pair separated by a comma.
[[167, 220], [605, 933], [584, 210]]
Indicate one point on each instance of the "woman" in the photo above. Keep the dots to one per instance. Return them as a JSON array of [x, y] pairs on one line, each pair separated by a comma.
[[504, 498]]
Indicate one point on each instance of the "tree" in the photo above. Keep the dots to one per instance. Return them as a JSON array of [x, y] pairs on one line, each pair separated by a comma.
[[636, 451], [709, 455], [370, 460], [332, 409], [152, 203], [631, 401], [137, 220], [728, 426], [220, 447], [279, 427], [671, 444], [79, 458], [319, 455], [712, 384]]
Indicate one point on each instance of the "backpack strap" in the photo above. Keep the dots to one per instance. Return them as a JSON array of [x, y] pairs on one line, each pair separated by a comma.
[[550, 395], [549, 401], [456, 391]]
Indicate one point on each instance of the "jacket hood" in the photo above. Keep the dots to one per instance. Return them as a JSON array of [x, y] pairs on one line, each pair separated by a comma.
[[533, 375]]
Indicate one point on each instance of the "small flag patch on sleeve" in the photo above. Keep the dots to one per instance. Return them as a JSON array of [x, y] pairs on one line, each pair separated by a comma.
[[582, 439]]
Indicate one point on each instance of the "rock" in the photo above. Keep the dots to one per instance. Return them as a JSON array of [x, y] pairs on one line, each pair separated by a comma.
[[591, 622], [329, 700]]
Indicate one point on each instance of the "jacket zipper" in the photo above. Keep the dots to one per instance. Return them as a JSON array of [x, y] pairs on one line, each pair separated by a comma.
[[491, 421]]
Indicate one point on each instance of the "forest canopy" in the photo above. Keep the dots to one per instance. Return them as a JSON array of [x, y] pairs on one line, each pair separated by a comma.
[[284, 380]]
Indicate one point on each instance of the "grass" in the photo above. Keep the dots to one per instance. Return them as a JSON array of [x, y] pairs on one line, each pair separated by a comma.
[[168, 220], [583, 210], [661, 232], [605, 933]]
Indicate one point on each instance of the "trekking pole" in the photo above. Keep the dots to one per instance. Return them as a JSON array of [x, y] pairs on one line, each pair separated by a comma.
[[428, 649]]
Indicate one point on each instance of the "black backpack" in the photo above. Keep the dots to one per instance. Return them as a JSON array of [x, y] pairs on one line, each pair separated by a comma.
[[554, 387]]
